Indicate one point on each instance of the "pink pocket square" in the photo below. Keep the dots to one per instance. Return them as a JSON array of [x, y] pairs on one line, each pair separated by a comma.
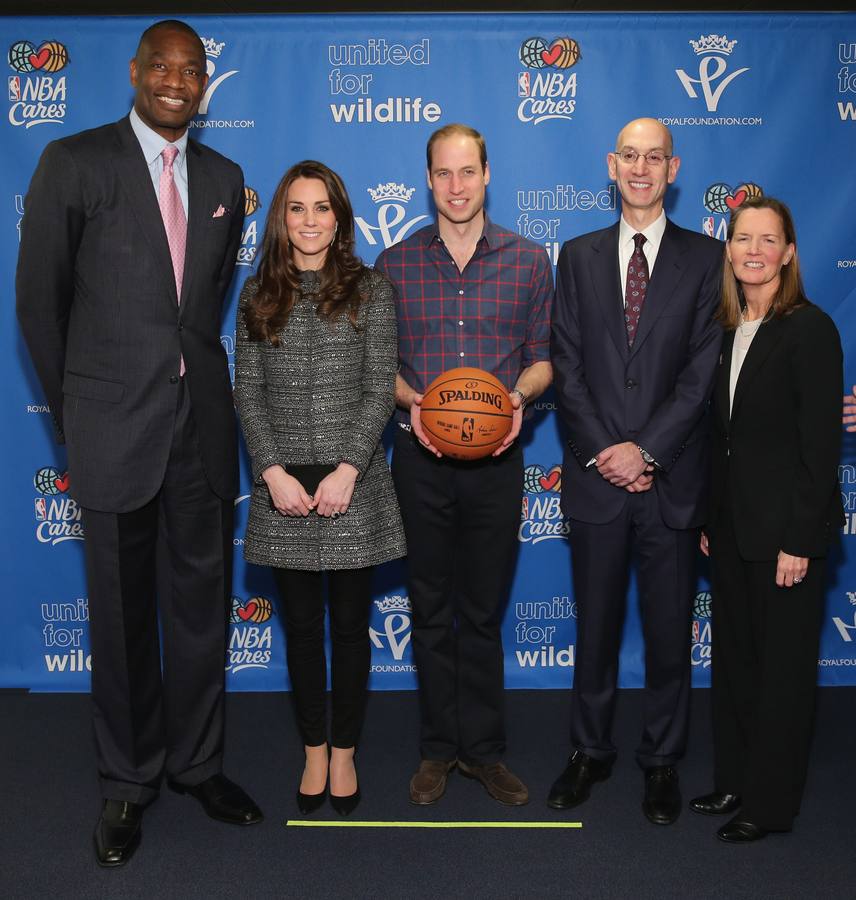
[[220, 211]]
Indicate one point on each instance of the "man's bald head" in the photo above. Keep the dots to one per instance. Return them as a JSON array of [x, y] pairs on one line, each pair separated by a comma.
[[645, 126]]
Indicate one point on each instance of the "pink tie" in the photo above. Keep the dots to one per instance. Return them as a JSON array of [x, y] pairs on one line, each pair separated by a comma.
[[174, 220]]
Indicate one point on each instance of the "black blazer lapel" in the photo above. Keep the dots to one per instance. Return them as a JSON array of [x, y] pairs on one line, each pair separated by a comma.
[[134, 175], [606, 279], [769, 334], [668, 270], [723, 380]]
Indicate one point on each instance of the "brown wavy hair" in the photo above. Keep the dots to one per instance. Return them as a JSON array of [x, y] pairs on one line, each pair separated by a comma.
[[278, 276], [791, 294]]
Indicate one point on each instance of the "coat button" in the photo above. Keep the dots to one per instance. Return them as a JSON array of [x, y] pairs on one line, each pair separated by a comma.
[[173, 379], [630, 384]]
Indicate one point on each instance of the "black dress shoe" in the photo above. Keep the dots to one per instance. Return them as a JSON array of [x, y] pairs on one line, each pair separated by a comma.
[[118, 832], [715, 804], [222, 800], [662, 803], [346, 805], [574, 785], [308, 803], [741, 831]]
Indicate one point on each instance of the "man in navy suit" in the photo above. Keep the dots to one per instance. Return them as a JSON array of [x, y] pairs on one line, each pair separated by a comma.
[[128, 245], [634, 349]]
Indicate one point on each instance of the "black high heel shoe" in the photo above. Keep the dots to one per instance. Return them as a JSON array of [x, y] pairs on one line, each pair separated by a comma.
[[308, 803], [346, 805]]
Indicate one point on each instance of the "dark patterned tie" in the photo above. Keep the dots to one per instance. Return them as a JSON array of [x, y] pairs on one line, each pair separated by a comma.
[[636, 288]]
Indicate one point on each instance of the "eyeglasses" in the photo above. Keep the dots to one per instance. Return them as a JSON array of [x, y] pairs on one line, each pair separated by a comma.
[[652, 157]]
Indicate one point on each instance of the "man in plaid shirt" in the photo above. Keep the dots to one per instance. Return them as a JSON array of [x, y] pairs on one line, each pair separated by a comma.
[[469, 293]]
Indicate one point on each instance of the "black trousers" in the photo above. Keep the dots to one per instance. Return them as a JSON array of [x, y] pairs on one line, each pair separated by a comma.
[[172, 556], [764, 672], [461, 523], [601, 556], [349, 597]]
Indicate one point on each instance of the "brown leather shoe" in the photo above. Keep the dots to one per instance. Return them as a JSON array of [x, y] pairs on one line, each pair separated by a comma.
[[429, 783], [499, 782]]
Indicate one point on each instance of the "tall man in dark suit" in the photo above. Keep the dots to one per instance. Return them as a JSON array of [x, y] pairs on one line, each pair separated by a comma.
[[128, 244], [634, 350]]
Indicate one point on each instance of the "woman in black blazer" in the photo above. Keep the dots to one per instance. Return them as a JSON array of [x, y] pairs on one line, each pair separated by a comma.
[[775, 508]]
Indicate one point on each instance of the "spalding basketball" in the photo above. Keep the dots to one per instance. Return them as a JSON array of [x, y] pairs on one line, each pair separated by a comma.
[[466, 413]]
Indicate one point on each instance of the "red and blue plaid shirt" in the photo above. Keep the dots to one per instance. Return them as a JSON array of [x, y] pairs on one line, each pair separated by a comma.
[[495, 315]]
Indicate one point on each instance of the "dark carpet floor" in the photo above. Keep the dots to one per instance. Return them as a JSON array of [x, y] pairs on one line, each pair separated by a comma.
[[49, 807]]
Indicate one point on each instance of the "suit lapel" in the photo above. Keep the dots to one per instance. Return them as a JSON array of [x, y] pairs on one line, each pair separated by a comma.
[[135, 178], [769, 334], [606, 279], [200, 206], [668, 271], [723, 381]]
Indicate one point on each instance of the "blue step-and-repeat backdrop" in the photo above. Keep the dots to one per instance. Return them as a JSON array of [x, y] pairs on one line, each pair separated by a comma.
[[755, 102]]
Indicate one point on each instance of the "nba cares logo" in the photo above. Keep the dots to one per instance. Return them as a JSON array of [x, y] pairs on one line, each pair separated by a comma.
[[538, 480], [560, 53], [256, 609], [37, 92], [546, 93], [24, 57], [722, 199]]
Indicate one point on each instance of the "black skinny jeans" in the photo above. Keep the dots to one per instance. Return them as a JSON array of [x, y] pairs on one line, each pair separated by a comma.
[[349, 595]]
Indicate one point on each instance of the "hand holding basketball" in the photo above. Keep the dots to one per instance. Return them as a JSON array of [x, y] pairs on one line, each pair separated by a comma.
[[466, 413], [416, 425], [516, 425]]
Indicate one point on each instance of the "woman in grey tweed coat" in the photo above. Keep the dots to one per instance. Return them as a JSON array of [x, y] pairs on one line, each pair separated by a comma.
[[315, 367]]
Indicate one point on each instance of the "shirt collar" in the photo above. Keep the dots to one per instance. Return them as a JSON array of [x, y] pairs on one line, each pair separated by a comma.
[[489, 231], [152, 143], [653, 233]]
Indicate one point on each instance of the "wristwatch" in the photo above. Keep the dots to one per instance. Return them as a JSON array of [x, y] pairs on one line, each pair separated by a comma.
[[646, 455], [523, 398]]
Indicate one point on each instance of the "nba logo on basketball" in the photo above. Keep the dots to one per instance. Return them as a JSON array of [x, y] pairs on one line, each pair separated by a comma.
[[14, 88], [466, 413], [523, 84]]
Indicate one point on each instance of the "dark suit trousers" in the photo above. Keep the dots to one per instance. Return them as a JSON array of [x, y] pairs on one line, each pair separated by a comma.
[[171, 556], [461, 523], [765, 645], [601, 556]]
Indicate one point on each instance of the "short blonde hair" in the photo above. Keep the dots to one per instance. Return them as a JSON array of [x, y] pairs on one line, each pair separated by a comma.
[[457, 129]]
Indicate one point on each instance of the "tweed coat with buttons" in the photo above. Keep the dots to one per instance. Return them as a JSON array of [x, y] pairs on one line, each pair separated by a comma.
[[323, 396]]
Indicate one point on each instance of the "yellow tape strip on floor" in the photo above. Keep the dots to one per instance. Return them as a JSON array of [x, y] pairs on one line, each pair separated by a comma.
[[340, 823]]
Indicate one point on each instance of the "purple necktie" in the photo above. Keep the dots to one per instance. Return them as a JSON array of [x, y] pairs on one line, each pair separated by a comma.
[[636, 288], [174, 220]]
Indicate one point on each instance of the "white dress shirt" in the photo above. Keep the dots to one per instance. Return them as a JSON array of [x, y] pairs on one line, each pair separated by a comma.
[[653, 236]]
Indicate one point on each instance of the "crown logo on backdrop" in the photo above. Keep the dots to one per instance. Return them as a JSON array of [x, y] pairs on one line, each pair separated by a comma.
[[713, 43], [393, 604], [391, 191], [212, 48]]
